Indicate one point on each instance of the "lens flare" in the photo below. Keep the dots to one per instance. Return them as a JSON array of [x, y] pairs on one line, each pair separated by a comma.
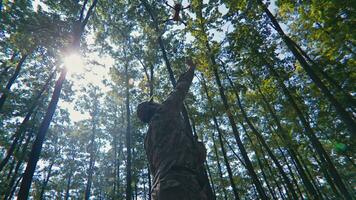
[[74, 64]]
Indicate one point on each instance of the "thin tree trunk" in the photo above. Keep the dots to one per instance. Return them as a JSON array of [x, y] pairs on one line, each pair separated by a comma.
[[149, 182], [236, 133], [92, 148], [11, 186], [262, 140], [90, 177], [17, 138], [295, 182], [14, 188], [343, 114], [69, 180], [11, 81], [219, 168], [45, 182], [128, 137], [276, 181], [210, 178], [282, 134], [325, 159], [37, 146], [227, 164], [261, 167]]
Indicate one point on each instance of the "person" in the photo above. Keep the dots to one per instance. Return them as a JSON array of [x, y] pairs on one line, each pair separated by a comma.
[[175, 157]]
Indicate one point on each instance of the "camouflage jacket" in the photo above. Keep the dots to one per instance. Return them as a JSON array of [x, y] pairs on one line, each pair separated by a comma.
[[168, 144]]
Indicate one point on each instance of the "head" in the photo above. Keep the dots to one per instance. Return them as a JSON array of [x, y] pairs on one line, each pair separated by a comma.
[[146, 110]]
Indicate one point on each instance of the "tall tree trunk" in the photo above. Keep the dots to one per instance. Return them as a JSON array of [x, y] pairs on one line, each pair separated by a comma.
[[324, 157], [282, 134], [236, 133], [213, 187], [219, 168], [89, 177], [45, 181], [11, 81], [149, 182], [227, 164], [261, 167], [69, 181], [261, 139], [295, 182], [11, 186], [214, 68], [216, 124], [37, 146], [340, 110], [128, 137], [5, 67], [272, 174], [92, 147], [20, 129]]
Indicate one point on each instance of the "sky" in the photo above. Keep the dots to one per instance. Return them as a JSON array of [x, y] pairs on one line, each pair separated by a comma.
[[77, 65]]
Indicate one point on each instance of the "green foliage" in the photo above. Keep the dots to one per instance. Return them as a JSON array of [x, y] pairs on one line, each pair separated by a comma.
[[234, 37]]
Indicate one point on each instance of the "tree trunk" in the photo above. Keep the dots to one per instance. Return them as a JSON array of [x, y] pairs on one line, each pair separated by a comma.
[[261, 167], [213, 187], [324, 157], [262, 140], [37, 146], [227, 164], [11, 81], [69, 180], [340, 110], [45, 182], [92, 147], [236, 133], [12, 187], [295, 182], [17, 136], [149, 182], [219, 168], [128, 137], [282, 134]]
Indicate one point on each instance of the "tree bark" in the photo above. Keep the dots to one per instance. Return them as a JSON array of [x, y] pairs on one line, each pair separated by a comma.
[[236, 133], [69, 180], [219, 168], [262, 140], [340, 110], [11, 81], [45, 182], [37, 146], [21, 127], [128, 137], [324, 157], [282, 134]]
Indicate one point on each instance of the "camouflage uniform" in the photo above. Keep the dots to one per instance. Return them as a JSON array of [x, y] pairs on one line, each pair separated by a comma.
[[174, 156]]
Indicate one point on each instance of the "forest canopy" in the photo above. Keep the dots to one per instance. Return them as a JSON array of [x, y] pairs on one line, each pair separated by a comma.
[[273, 97]]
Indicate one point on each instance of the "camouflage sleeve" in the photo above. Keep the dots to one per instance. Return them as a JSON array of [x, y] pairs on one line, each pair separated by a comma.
[[176, 97]]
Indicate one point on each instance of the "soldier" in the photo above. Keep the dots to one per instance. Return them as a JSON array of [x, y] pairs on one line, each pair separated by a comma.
[[175, 157]]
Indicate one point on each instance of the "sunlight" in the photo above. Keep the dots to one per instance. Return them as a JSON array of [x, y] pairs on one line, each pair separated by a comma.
[[74, 63]]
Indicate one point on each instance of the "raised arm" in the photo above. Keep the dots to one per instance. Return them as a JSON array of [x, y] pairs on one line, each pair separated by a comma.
[[175, 99]]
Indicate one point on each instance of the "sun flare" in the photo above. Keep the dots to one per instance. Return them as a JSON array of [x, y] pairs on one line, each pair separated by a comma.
[[74, 63]]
